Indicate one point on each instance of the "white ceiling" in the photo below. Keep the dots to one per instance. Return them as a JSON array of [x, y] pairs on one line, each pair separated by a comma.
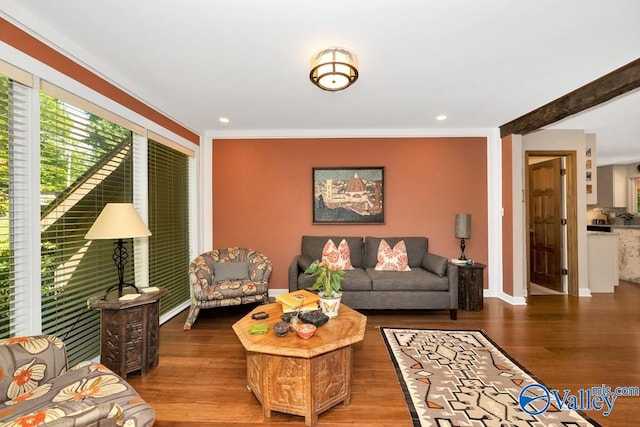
[[482, 63]]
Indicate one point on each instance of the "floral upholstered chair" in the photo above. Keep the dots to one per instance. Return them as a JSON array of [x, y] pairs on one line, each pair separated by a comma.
[[37, 389], [229, 276]]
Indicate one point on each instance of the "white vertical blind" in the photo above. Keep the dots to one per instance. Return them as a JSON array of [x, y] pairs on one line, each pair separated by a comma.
[[13, 205], [140, 197]]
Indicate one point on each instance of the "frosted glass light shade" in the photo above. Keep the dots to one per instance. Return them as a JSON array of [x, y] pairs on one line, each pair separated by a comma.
[[118, 221], [334, 68]]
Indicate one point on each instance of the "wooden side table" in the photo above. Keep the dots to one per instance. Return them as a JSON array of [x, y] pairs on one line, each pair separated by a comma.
[[470, 286], [130, 332]]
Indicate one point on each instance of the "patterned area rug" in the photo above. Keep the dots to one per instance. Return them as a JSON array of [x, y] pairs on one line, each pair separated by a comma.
[[461, 378]]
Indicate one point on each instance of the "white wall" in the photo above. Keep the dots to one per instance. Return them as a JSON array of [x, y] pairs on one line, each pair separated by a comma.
[[552, 140]]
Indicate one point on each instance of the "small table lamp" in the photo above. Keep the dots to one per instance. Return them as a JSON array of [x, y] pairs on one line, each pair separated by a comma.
[[463, 231], [118, 221]]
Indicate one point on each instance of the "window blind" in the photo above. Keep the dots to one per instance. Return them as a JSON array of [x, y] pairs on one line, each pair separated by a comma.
[[85, 163], [169, 178], [13, 204]]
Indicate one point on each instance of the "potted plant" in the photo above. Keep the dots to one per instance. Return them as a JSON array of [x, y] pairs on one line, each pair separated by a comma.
[[328, 284], [627, 217]]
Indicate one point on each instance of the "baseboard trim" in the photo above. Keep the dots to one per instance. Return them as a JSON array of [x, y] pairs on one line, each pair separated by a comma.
[[509, 299], [584, 292], [174, 312]]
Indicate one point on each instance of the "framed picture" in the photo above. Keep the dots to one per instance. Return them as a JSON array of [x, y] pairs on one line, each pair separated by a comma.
[[350, 195]]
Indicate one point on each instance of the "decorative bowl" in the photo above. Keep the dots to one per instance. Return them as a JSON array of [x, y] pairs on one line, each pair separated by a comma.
[[305, 330], [316, 318], [281, 329]]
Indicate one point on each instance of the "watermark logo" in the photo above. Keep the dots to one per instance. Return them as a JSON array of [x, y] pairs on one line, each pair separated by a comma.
[[535, 398]]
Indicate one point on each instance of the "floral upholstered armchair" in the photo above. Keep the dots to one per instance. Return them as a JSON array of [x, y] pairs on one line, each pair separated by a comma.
[[228, 276], [37, 389]]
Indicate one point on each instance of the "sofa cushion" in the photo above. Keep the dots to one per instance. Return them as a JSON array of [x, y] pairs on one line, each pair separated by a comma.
[[312, 246], [416, 248], [304, 262], [230, 271], [353, 280], [392, 259], [435, 263], [338, 258], [417, 279]]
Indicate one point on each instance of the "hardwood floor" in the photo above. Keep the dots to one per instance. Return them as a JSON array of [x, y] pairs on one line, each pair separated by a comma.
[[567, 343]]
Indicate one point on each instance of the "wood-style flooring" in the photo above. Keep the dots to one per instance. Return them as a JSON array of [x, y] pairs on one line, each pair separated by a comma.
[[566, 342]]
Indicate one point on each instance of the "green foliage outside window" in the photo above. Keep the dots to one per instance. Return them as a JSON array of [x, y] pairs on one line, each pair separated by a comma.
[[69, 152]]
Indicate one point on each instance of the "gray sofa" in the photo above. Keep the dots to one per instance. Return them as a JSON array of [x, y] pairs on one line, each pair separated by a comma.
[[432, 282]]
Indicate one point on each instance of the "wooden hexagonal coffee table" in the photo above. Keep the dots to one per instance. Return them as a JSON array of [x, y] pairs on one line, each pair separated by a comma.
[[301, 376]]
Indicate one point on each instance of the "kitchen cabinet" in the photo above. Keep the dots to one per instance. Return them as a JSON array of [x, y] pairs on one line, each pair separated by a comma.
[[612, 186], [603, 261]]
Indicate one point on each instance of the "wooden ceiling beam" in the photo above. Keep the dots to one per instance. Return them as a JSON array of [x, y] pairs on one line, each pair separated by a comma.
[[616, 83]]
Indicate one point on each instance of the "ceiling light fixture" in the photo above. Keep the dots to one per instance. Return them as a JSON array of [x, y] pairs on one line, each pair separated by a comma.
[[441, 117], [223, 120], [334, 68]]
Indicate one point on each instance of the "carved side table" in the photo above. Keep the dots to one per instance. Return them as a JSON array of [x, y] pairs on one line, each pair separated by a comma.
[[130, 332], [470, 286], [298, 376]]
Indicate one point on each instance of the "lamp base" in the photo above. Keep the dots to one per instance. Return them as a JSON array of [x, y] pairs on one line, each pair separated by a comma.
[[120, 287], [462, 246], [120, 256]]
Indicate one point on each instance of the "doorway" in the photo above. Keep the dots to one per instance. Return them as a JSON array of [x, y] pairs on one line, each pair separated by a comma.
[[546, 225], [550, 198]]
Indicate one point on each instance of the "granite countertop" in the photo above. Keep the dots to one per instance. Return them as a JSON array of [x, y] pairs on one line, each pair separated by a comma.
[[629, 227]]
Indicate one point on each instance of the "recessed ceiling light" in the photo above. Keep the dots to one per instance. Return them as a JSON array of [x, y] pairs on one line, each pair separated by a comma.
[[223, 120], [441, 117]]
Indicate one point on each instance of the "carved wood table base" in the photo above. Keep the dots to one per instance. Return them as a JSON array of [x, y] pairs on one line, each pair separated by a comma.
[[130, 332], [297, 376]]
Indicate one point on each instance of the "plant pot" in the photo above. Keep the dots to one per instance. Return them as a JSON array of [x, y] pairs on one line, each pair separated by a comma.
[[330, 305]]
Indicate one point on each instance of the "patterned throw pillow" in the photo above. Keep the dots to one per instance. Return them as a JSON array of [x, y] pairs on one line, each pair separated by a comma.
[[395, 259], [338, 258]]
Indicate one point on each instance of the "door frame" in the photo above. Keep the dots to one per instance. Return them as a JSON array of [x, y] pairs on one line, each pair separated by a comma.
[[571, 204]]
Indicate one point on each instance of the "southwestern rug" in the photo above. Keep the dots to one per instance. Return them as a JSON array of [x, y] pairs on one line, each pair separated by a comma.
[[462, 378]]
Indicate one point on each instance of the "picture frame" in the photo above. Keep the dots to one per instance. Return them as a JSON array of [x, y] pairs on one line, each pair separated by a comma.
[[348, 195]]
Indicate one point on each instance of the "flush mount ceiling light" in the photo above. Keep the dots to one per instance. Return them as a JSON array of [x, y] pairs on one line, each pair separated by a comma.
[[334, 68]]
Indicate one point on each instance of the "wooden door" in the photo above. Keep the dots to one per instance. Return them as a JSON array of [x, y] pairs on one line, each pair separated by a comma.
[[545, 216]]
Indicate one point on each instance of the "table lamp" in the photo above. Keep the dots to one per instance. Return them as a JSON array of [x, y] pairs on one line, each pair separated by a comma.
[[118, 221], [463, 231]]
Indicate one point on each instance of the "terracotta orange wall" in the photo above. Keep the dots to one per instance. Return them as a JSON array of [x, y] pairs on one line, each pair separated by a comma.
[[262, 192], [507, 219]]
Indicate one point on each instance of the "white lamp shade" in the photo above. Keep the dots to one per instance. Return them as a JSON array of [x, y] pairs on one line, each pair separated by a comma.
[[463, 226], [118, 221]]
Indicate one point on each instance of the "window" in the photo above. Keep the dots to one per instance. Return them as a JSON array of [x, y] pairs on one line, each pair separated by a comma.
[[169, 223], [54, 181], [85, 162], [13, 203]]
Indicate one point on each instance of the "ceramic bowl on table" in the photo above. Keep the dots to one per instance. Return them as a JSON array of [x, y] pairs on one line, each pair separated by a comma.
[[281, 329], [305, 330]]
